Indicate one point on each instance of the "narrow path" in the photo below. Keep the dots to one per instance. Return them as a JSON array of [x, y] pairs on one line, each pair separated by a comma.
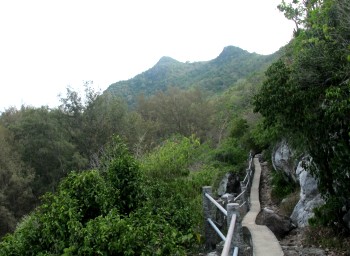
[[264, 241]]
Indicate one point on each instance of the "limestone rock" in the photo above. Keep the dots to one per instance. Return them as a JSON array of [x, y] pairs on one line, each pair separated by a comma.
[[282, 160], [229, 184], [223, 185], [309, 197], [213, 254], [280, 225]]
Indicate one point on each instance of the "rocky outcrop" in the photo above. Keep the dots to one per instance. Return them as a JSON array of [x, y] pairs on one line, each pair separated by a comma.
[[309, 196], [223, 185], [282, 160], [346, 219], [229, 184], [279, 225]]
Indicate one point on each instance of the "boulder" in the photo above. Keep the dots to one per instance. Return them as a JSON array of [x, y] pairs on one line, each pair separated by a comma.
[[213, 254], [228, 198], [279, 225], [282, 160], [229, 184], [233, 184], [223, 185], [309, 196], [346, 219]]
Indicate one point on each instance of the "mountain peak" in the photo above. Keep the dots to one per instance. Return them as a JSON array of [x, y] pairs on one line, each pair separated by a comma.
[[215, 75], [231, 51], [166, 60]]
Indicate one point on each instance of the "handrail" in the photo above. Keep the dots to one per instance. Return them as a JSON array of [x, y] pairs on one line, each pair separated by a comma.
[[232, 211], [229, 236], [234, 200], [243, 204], [222, 209], [212, 224], [246, 176]]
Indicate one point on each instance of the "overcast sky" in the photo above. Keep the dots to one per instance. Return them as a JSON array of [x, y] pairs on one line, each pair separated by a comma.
[[48, 45]]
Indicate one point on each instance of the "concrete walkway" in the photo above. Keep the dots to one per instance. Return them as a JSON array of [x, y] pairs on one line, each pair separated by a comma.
[[264, 241]]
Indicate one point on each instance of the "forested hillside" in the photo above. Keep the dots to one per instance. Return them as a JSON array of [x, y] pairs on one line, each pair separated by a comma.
[[94, 174], [214, 76], [105, 172]]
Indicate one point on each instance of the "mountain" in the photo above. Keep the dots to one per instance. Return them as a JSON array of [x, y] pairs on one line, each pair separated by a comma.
[[214, 76]]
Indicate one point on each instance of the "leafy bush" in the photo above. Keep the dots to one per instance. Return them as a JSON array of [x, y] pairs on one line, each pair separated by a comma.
[[326, 214], [171, 160], [280, 186], [122, 174], [100, 212]]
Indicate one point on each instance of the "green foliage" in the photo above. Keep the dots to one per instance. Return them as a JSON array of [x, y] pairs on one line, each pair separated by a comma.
[[172, 159], [123, 174], [179, 199], [104, 116], [234, 149], [230, 152], [43, 144], [176, 111], [100, 212], [214, 76], [294, 11], [306, 94], [263, 136], [281, 188], [324, 215], [90, 192], [16, 196], [111, 235], [325, 237]]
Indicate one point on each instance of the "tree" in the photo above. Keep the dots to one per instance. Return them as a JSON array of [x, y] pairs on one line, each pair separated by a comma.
[[306, 93], [178, 112], [16, 196], [103, 117], [43, 143]]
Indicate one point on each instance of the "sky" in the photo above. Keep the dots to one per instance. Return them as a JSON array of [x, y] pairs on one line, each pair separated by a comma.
[[48, 45]]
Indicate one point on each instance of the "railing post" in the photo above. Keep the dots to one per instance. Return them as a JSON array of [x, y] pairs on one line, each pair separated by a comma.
[[245, 206], [209, 233], [232, 209]]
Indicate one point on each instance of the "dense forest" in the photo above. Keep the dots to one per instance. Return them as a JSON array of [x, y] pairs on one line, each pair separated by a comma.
[[214, 76], [68, 172], [305, 98], [104, 172]]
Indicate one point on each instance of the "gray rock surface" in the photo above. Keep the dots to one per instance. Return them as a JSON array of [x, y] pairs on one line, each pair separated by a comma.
[[309, 197], [279, 225], [223, 185], [282, 160], [346, 219], [230, 183]]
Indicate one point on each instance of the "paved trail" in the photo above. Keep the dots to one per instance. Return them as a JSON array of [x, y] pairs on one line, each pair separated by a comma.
[[264, 241]]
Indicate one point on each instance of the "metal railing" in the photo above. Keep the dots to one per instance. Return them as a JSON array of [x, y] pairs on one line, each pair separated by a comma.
[[232, 213]]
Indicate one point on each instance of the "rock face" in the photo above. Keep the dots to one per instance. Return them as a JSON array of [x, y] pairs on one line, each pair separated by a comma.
[[309, 197], [223, 185], [233, 184], [346, 219], [229, 184], [282, 160], [279, 225]]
